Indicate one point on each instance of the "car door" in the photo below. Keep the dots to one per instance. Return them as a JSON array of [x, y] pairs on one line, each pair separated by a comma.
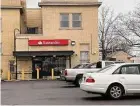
[[130, 77]]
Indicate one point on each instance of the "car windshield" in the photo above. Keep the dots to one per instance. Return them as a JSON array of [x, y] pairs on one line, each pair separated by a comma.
[[80, 66], [119, 62], [105, 69], [90, 65]]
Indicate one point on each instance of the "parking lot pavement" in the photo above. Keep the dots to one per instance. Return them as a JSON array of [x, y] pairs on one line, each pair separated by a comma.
[[54, 93]]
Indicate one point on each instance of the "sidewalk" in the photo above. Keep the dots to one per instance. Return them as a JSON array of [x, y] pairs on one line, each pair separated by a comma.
[[49, 78]]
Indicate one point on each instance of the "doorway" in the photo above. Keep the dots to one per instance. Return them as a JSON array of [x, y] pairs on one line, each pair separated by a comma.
[[37, 64], [56, 63]]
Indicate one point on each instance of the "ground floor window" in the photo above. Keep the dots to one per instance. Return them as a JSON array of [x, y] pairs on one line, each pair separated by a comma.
[[46, 64], [84, 56]]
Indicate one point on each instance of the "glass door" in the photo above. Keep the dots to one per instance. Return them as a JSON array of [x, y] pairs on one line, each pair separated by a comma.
[[56, 63]]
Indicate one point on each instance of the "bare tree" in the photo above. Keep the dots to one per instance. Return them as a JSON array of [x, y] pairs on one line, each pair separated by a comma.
[[114, 33], [106, 29], [130, 25]]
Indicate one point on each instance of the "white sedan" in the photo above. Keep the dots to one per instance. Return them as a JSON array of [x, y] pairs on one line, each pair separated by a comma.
[[113, 81]]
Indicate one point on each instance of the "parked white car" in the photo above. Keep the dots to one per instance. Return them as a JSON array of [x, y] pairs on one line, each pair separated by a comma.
[[75, 75], [79, 66], [113, 81]]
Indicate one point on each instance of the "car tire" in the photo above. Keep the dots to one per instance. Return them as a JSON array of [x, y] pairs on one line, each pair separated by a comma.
[[115, 91], [78, 80]]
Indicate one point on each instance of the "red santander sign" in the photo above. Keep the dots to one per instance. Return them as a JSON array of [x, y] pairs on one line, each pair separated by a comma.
[[54, 42]]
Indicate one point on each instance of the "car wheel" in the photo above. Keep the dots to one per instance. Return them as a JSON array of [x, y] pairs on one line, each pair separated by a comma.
[[115, 91], [78, 80]]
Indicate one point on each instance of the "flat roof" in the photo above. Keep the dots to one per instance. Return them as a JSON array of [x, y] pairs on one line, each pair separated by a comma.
[[69, 3], [11, 7]]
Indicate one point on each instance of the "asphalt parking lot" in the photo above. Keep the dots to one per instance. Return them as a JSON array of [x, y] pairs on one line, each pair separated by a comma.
[[54, 93]]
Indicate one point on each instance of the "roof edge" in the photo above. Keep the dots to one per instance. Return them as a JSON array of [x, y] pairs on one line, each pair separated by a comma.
[[69, 3], [11, 7]]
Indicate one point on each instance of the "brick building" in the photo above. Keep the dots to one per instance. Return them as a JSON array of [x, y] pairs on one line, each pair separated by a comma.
[[60, 34]]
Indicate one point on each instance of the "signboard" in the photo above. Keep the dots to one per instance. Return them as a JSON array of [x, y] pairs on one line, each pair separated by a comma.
[[55, 42]]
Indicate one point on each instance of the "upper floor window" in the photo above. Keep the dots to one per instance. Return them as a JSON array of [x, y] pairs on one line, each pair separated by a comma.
[[64, 22], [70, 21], [33, 30], [76, 20]]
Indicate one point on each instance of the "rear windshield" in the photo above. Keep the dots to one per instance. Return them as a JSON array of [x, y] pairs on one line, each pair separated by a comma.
[[80, 66], [90, 65], [105, 69]]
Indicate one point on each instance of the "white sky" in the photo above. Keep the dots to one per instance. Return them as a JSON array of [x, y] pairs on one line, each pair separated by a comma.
[[117, 5]]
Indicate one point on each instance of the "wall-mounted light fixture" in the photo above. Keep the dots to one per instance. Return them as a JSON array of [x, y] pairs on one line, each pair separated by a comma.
[[73, 43]]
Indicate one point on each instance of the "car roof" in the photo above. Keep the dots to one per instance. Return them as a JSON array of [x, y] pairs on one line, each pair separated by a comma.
[[120, 64]]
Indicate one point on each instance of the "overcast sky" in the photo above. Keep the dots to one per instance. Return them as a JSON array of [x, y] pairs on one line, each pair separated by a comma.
[[117, 5]]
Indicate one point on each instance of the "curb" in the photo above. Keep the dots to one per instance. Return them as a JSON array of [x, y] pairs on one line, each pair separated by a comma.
[[30, 80], [44, 79]]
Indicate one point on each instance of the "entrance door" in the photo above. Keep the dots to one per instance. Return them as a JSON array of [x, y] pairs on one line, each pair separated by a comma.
[[37, 64], [56, 63]]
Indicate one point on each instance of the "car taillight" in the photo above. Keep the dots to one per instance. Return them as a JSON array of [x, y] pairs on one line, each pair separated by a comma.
[[66, 73], [90, 80]]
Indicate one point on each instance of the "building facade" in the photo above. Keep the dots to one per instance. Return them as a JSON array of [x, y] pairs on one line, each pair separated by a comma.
[[60, 34], [120, 56]]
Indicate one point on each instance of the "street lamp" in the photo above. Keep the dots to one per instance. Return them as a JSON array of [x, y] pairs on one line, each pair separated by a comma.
[[16, 29]]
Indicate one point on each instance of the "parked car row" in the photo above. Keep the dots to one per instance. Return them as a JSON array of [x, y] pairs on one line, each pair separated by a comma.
[[75, 74], [114, 80]]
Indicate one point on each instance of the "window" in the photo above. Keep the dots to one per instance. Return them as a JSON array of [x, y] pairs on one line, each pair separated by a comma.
[[70, 21], [105, 69], [32, 30], [84, 56], [108, 63], [117, 71], [130, 70], [93, 65], [76, 20], [64, 20]]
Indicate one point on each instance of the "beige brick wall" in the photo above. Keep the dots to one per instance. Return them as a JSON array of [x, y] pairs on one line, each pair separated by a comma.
[[10, 2], [51, 27], [24, 64], [23, 26], [10, 21], [51, 30], [50, 17]]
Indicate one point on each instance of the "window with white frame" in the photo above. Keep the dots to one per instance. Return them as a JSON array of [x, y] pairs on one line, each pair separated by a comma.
[[76, 20], [71, 21], [64, 20], [84, 56], [84, 53]]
